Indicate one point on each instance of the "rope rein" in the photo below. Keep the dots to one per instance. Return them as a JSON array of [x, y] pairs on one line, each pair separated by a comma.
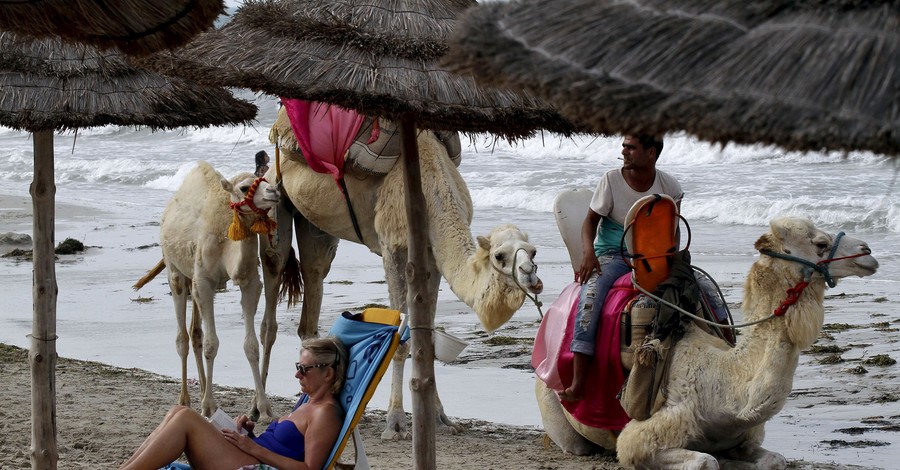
[[533, 297], [793, 294], [691, 315]]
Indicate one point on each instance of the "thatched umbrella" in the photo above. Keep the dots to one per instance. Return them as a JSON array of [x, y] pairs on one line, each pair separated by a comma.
[[804, 75], [47, 86], [133, 26], [379, 57]]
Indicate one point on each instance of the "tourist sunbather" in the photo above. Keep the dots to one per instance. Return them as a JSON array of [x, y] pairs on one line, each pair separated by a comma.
[[301, 439]]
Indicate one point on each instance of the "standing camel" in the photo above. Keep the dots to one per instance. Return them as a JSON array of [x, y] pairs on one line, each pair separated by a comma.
[[485, 274], [200, 257], [719, 398]]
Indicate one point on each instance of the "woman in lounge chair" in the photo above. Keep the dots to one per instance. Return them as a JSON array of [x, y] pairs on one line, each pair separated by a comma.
[[301, 439]]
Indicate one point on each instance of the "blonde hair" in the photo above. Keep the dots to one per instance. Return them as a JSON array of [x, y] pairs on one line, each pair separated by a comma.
[[329, 350]]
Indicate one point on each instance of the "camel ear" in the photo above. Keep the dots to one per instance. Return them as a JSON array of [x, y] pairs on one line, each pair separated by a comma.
[[765, 242], [484, 242], [226, 185], [778, 230]]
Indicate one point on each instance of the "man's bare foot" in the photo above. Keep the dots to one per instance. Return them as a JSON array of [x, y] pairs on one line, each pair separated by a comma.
[[570, 394]]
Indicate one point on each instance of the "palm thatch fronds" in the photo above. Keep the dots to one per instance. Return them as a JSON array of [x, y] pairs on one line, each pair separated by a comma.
[[379, 57], [48, 84], [134, 26], [804, 75]]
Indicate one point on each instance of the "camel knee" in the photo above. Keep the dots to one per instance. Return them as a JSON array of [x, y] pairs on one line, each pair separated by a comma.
[[251, 349]]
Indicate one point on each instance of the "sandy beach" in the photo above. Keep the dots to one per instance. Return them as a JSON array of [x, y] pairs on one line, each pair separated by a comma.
[[105, 412], [844, 408]]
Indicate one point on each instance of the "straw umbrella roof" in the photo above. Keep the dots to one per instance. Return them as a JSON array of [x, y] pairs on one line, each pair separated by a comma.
[[133, 26], [378, 57], [48, 84], [804, 75]]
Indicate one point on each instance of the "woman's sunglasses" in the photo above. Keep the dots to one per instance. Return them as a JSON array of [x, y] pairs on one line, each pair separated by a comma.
[[305, 369]]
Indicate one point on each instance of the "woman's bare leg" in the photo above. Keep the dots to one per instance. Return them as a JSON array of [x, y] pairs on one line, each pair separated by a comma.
[[184, 430], [172, 411]]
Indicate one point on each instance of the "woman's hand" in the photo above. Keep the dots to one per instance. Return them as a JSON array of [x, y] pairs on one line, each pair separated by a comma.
[[242, 442], [244, 422]]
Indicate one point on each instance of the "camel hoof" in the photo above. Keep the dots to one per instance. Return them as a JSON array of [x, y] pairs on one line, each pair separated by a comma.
[[391, 435], [396, 428], [450, 428]]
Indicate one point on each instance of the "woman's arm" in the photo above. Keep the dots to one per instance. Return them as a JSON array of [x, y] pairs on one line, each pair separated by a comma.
[[321, 434], [319, 438], [266, 456]]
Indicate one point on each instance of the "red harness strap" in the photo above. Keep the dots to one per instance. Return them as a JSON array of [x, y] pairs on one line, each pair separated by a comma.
[[793, 295], [248, 199]]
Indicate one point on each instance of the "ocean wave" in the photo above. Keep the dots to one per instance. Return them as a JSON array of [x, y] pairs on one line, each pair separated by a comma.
[[845, 213], [679, 149]]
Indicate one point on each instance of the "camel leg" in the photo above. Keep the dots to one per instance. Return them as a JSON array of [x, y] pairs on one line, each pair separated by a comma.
[[394, 261], [273, 258], [196, 333], [555, 423], [751, 456], [444, 424], [679, 459], [397, 426], [202, 291], [179, 285], [250, 293], [317, 250]]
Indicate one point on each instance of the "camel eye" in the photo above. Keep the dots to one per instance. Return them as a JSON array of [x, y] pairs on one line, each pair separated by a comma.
[[245, 188], [499, 257], [533, 253]]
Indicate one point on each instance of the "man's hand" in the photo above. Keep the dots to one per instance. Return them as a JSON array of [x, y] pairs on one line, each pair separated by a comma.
[[589, 264]]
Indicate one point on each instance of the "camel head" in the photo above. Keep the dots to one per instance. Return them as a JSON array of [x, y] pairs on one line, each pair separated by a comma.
[[509, 253], [251, 200], [834, 256], [507, 259]]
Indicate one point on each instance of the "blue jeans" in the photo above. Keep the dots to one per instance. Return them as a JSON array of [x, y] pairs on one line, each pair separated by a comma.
[[590, 302]]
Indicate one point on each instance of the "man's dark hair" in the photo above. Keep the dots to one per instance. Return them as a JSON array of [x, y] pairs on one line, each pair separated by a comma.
[[261, 158], [648, 141]]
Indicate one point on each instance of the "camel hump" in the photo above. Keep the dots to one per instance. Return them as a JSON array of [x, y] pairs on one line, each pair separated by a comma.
[[650, 238], [569, 208]]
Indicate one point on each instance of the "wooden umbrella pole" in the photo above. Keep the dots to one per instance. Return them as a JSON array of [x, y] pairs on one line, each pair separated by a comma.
[[420, 305], [44, 454]]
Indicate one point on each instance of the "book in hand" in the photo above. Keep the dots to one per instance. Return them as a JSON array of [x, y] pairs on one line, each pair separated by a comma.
[[221, 420]]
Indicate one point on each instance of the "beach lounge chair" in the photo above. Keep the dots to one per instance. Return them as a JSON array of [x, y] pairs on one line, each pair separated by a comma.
[[371, 338]]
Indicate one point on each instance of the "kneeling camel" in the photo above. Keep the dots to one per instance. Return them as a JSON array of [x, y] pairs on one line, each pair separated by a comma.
[[719, 398]]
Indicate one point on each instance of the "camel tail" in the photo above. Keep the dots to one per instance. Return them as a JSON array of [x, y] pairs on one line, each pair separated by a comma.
[[291, 281], [150, 275]]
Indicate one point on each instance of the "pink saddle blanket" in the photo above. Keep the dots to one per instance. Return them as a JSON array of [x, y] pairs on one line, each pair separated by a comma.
[[552, 360]]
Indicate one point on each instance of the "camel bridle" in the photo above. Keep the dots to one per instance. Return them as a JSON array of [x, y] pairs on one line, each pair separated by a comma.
[[248, 200], [534, 268], [793, 294], [240, 229]]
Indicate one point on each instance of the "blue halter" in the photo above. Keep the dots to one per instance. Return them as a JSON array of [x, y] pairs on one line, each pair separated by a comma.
[[810, 267]]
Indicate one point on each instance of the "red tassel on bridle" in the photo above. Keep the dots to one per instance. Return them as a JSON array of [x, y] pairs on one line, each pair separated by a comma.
[[263, 224]]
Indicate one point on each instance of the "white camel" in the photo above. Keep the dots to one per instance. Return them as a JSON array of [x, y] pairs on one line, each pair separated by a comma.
[[483, 275], [719, 398], [200, 258]]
